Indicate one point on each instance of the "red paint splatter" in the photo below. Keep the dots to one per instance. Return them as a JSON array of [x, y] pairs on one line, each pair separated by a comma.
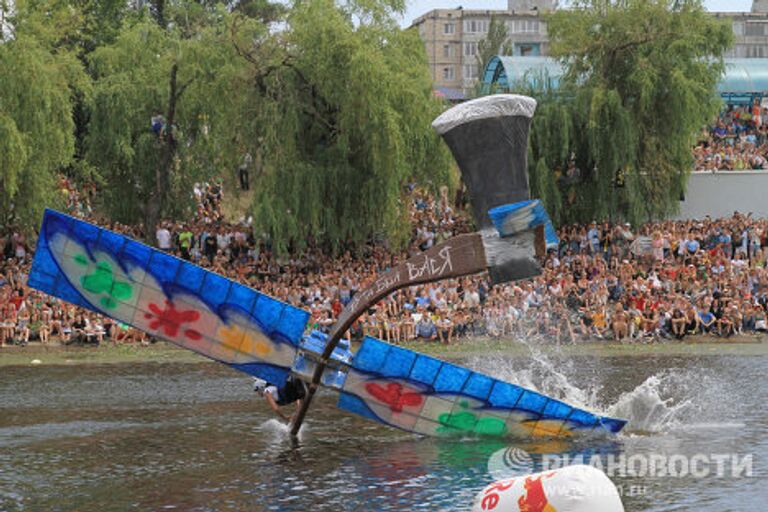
[[394, 395], [169, 320], [535, 499]]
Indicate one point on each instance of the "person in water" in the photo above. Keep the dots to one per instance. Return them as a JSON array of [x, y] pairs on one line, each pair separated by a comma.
[[294, 390]]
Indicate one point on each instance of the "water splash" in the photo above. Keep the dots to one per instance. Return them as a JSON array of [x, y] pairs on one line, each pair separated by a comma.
[[539, 373], [650, 407], [551, 379], [665, 401], [277, 429]]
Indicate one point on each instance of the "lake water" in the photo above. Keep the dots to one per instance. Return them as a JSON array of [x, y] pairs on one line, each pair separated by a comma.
[[193, 437]]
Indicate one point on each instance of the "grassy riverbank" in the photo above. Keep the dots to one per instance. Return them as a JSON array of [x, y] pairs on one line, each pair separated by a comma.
[[167, 353], [105, 354]]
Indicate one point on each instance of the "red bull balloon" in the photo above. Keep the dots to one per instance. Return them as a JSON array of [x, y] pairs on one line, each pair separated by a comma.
[[571, 489]]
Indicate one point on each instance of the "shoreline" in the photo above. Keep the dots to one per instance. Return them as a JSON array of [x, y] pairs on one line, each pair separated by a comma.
[[165, 353]]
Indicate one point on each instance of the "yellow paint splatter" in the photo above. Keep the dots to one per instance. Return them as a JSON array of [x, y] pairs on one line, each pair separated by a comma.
[[258, 347], [235, 338], [546, 428]]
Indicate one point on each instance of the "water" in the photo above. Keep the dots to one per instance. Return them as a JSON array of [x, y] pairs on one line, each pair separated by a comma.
[[193, 437]]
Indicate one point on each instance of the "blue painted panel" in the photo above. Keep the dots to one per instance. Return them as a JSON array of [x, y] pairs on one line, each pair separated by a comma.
[[242, 296], [55, 221], [44, 263], [267, 312], [451, 378], [356, 405], [612, 425], [42, 281], [86, 233], [505, 395], [111, 242], [531, 401], [425, 369], [215, 289], [584, 418], [292, 323], [190, 276], [398, 363], [138, 253], [270, 373], [164, 267], [371, 355], [557, 409], [478, 386]]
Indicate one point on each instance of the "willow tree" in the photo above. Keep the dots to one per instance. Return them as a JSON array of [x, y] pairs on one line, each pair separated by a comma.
[[496, 42], [38, 81], [159, 116], [641, 79], [341, 109]]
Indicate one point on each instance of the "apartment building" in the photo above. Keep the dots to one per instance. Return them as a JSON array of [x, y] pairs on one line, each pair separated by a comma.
[[451, 36], [750, 30]]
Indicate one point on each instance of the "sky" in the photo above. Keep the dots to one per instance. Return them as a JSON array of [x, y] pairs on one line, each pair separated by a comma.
[[418, 7]]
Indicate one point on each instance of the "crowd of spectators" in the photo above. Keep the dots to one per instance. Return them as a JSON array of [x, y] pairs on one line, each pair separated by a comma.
[[736, 141], [78, 199], [604, 281], [208, 202]]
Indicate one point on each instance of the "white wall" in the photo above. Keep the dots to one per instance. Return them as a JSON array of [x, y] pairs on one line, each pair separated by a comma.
[[720, 194]]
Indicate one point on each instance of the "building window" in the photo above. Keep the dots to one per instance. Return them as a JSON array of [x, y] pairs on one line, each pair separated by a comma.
[[470, 48], [448, 73], [449, 28], [447, 50], [475, 26], [525, 26], [755, 29], [470, 71]]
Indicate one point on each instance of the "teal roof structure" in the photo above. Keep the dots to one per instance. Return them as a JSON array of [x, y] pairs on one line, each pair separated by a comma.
[[744, 78]]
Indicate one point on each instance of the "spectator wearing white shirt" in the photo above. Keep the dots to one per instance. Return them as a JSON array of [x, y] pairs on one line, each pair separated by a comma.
[[163, 238]]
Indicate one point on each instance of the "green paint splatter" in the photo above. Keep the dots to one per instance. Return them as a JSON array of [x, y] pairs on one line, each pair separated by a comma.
[[81, 260], [102, 280], [466, 421]]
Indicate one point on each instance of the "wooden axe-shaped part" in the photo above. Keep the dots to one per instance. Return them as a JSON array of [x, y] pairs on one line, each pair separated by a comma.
[[489, 139]]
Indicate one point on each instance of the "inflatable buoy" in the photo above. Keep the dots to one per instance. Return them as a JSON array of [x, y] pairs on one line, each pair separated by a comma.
[[36, 361], [569, 489]]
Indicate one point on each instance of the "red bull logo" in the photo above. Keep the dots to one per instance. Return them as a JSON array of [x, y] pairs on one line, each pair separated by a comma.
[[491, 493], [535, 499]]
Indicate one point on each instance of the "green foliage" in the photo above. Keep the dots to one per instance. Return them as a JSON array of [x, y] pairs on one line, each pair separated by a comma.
[[135, 77], [641, 78], [344, 118], [335, 106], [495, 43], [36, 101]]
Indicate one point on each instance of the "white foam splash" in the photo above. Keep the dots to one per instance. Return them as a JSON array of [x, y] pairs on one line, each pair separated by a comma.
[[665, 401], [279, 430], [551, 379], [649, 408]]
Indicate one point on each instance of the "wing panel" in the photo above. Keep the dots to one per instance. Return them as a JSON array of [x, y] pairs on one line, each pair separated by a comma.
[[166, 297], [441, 399]]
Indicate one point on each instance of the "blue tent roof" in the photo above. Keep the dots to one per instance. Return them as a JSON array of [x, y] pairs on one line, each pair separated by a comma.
[[449, 94], [743, 77], [501, 71]]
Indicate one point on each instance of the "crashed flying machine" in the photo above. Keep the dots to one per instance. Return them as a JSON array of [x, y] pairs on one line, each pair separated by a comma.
[[177, 301]]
